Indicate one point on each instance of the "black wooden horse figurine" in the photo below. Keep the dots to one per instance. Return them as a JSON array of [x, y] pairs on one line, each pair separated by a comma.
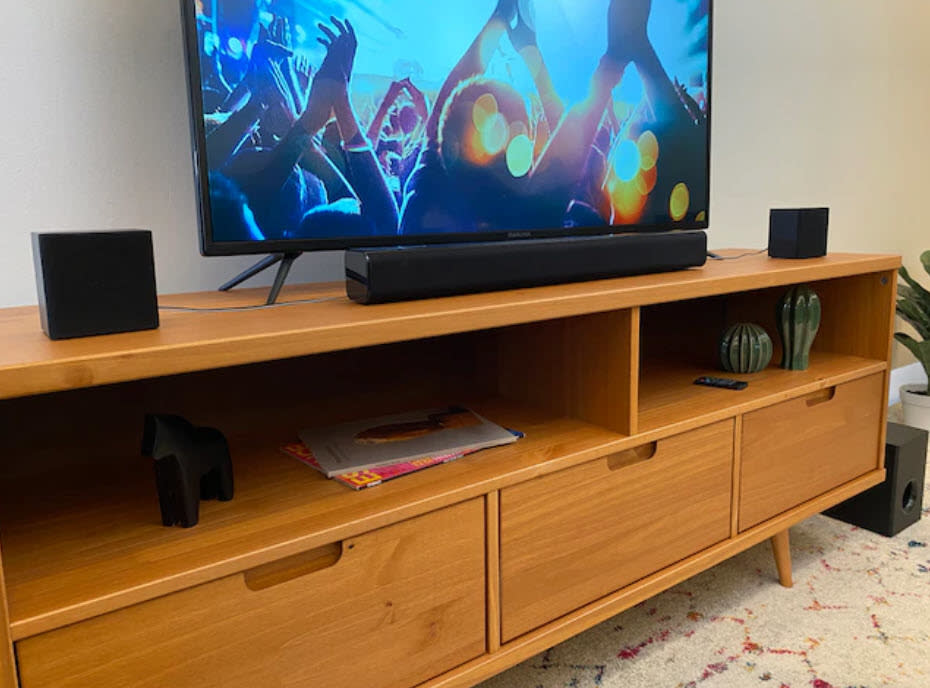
[[191, 464]]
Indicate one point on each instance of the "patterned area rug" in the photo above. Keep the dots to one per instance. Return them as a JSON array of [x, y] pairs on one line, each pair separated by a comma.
[[857, 617]]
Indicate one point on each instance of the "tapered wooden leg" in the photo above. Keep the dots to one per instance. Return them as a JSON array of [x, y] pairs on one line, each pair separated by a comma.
[[781, 548]]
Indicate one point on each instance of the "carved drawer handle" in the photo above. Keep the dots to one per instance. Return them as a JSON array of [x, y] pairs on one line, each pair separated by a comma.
[[632, 456], [821, 397], [285, 570]]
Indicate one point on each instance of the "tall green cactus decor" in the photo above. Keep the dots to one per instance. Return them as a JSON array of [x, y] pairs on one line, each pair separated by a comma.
[[745, 348], [798, 318]]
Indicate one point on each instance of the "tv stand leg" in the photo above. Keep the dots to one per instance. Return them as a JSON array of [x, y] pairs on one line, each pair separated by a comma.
[[781, 548], [260, 266], [287, 260]]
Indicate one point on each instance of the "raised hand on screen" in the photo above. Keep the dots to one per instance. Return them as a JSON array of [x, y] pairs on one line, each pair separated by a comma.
[[267, 83], [280, 32], [626, 28], [270, 46], [524, 33], [304, 71], [341, 46]]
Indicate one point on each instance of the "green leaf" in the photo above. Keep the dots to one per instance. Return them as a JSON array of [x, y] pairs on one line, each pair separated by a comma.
[[925, 261], [911, 294], [907, 297], [914, 284], [921, 350], [911, 313]]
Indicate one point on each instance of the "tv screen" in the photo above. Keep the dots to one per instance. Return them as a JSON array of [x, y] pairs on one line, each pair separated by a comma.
[[339, 123]]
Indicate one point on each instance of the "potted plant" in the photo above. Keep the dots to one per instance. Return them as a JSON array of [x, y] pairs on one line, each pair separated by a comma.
[[914, 307]]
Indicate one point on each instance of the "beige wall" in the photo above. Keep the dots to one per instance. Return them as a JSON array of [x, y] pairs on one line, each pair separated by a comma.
[[817, 102], [824, 102]]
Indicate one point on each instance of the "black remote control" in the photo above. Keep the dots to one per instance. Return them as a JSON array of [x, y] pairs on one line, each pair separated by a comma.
[[724, 382]]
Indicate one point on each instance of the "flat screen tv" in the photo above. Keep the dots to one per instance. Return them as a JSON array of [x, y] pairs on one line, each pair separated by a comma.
[[330, 124]]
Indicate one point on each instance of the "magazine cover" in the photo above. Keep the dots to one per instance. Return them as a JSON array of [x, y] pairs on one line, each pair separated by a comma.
[[372, 477], [364, 444]]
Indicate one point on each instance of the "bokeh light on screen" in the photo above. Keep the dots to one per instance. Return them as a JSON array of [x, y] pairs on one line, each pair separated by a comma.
[[646, 180], [648, 146], [235, 47], [627, 201], [494, 134], [485, 108], [520, 156], [474, 150], [679, 202], [622, 110], [626, 160]]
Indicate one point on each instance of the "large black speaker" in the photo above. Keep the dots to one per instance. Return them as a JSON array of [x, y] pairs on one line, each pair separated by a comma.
[[897, 503], [380, 275], [95, 282]]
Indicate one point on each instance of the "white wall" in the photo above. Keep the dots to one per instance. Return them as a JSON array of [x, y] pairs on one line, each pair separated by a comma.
[[817, 102], [94, 134], [822, 102]]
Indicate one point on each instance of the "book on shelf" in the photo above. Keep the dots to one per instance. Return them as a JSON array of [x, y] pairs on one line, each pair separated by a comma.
[[405, 437], [359, 480], [366, 444]]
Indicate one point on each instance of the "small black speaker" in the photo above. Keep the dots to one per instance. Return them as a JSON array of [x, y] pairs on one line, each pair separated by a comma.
[[798, 232], [897, 503], [93, 283]]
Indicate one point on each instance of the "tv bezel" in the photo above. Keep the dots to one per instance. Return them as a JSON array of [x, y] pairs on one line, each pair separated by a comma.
[[209, 247]]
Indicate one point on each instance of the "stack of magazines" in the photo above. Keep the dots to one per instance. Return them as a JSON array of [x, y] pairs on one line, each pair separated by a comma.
[[369, 452]]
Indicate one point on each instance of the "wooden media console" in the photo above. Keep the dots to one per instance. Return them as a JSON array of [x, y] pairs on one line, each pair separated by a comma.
[[630, 478]]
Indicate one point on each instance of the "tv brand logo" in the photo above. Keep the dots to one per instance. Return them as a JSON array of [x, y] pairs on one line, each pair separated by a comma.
[[519, 235]]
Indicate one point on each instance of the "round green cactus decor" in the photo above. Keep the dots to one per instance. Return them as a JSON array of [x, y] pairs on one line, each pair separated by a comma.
[[798, 317], [745, 348]]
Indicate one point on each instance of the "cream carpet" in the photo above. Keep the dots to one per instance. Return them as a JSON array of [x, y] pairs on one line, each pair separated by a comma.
[[857, 617]]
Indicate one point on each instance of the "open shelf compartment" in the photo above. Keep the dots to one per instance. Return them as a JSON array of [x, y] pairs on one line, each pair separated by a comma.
[[81, 529], [679, 342]]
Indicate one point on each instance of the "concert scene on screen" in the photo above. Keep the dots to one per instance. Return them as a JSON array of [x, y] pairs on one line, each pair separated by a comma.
[[376, 118]]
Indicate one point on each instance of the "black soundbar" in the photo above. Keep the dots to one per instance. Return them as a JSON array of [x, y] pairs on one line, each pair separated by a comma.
[[381, 275]]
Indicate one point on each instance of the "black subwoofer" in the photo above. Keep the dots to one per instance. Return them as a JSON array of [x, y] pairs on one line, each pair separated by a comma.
[[896, 504]]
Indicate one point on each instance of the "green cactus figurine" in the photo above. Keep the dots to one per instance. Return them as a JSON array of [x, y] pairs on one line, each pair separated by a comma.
[[798, 317], [745, 348]]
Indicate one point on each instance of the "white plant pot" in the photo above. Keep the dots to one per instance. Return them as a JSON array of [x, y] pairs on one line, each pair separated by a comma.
[[916, 406]]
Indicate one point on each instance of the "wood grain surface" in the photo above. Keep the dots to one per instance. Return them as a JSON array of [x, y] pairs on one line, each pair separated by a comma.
[[82, 542], [781, 550], [562, 629], [401, 605], [577, 535], [801, 448], [32, 364]]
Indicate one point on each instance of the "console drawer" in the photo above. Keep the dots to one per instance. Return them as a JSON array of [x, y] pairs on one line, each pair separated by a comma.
[[390, 608], [799, 449], [572, 537]]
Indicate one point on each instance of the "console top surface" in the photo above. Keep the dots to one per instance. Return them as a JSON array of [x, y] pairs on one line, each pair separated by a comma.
[[326, 320]]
